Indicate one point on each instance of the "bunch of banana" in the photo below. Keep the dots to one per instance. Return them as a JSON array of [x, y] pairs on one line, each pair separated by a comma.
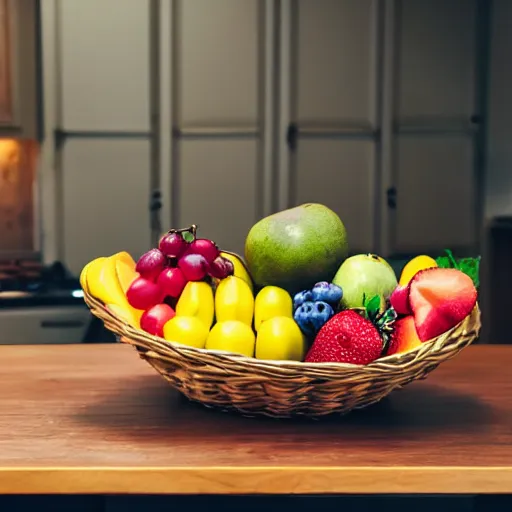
[[108, 279]]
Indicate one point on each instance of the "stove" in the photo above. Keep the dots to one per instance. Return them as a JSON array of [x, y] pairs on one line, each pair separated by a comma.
[[42, 304], [31, 283]]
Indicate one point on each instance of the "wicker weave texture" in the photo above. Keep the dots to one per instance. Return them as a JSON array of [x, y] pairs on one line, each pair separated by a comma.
[[285, 389]]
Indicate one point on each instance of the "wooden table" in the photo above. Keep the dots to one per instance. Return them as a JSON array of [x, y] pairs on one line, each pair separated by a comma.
[[95, 419]]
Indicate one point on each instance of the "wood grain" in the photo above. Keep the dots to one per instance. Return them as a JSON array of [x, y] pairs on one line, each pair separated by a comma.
[[97, 419]]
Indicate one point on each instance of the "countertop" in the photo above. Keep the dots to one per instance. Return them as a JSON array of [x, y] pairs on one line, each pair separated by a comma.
[[78, 419]]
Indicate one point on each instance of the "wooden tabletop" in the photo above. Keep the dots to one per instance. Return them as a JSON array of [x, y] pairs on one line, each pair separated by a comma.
[[97, 419]]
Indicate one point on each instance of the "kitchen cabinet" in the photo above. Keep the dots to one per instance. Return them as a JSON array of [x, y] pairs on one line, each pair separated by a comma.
[[436, 126], [218, 113], [384, 123], [100, 135], [44, 325], [218, 126], [104, 66], [105, 210], [19, 79], [333, 96]]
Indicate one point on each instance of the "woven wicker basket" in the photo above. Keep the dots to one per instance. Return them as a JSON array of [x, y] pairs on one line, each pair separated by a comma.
[[285, 388]]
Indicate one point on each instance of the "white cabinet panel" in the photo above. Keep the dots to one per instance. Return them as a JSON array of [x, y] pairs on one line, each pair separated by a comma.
[[106, 191], [340, 174], [218, 189], [104, 50], [436, 58], [435, 202], [218, 62], [336, 61]]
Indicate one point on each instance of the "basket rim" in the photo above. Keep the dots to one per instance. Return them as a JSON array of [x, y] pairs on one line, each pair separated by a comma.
[[99, 309]]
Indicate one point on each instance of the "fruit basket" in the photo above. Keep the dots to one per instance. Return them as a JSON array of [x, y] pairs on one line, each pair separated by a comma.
[[416, 323]]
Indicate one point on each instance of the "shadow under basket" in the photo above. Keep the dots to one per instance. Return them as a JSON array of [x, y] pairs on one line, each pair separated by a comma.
[[283, 389]]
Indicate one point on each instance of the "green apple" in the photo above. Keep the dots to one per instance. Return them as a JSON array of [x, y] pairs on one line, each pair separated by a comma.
[[296, 248], [364, 276]]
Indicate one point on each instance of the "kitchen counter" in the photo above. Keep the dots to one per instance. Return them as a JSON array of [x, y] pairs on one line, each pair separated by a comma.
[[95, 419]]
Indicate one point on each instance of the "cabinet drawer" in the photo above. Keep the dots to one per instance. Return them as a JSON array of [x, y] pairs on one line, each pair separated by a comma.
[[48, 325]]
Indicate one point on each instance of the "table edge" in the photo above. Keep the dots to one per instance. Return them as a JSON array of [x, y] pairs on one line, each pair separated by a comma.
[[257, 480]]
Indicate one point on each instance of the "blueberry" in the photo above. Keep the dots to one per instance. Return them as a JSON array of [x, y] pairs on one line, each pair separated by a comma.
[[321, 313], [303, 317], [301, 297], [327, 292], [311, 316]]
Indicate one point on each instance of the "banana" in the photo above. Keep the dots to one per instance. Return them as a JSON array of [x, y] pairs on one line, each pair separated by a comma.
[[125, 257], [197, 300], [240, 268], [126, 274], [234, 300], [83, 273], [100, 279]]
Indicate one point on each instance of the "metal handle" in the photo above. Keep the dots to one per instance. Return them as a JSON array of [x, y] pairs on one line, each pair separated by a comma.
[[292, 134], [391, 197]]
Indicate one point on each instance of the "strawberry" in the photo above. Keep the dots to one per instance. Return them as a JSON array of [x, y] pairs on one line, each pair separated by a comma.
[[399, 300], [404, 337], [440, 298], [346, 338]]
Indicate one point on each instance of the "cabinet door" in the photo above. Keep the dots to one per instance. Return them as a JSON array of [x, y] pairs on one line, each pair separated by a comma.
[[333, 92], [105, 65], [218, 62], [105, 190], [434, 168], [102, 81], [6, 114], [19, 77]]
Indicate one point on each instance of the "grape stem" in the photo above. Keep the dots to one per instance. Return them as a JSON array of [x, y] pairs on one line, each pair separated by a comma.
[[192, 229]]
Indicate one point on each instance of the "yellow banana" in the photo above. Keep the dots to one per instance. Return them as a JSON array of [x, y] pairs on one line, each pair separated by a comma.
[[83, 273], [239, 267], [234, 301], [196, 300], [126, 257], [101, 281]]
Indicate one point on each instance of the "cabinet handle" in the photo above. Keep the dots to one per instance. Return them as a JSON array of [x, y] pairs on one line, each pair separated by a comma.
[[391, 196], [61, 324], [292, 134]]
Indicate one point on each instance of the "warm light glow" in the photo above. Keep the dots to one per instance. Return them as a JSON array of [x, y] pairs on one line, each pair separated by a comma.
[[10, 152], [18, 158]]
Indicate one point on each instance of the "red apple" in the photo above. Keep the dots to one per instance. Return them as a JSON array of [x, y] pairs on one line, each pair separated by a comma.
[[144, 294], [171, 281], [154, 319]]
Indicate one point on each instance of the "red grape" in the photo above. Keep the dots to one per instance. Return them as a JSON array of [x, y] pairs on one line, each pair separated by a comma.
[[193, 266], [204, 247], [154, 319], [144, 294], [171, 281], [221, 268], [150, 264], [173, 245]]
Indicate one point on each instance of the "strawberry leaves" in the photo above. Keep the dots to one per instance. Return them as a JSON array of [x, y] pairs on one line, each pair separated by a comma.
[[382, 317], [470, 266]]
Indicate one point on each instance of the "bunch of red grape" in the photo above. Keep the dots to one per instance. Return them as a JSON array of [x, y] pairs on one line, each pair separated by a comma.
[[164, 272]]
